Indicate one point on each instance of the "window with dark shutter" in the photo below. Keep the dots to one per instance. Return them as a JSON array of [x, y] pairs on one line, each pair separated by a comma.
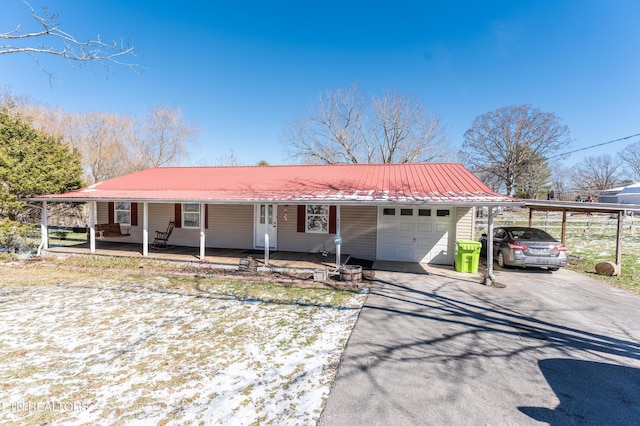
[[317, 218]]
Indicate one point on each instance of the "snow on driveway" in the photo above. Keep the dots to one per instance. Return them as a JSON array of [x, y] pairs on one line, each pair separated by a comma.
[[136, 353]]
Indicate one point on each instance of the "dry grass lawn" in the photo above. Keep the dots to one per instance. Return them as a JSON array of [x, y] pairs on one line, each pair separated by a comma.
[[94, 347]]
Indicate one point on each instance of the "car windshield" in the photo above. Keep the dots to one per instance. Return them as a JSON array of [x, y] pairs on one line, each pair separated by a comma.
[[530, 234]]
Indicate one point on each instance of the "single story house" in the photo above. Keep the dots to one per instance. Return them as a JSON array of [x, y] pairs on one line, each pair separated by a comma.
[[399, 212]]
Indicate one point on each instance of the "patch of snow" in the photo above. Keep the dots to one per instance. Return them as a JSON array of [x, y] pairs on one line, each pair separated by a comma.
[[130, 354]]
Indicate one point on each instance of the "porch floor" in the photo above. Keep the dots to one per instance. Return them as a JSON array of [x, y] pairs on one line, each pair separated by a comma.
[[229, 258]]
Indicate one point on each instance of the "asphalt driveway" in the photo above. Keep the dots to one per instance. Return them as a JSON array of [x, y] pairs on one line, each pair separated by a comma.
[[441, 348]]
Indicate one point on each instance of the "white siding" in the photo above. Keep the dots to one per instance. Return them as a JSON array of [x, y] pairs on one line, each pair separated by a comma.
[[465, 223], [357, 229], [230, 226], [289, 239], [159, 217], [102, 213], [102, 216]]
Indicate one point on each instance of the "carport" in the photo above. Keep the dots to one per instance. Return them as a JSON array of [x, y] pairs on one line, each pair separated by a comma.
[[563, 206]]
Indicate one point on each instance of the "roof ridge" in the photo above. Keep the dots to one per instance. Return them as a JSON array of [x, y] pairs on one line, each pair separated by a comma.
[[310, 165]]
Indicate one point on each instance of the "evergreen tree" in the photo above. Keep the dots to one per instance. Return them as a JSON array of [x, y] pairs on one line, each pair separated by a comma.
[[32, 163]]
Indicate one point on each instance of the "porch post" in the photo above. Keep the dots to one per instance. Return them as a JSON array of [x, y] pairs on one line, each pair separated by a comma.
[[44, 227], [266, 235], [203, 211], [92, 226], [338, 237], [145, 228]]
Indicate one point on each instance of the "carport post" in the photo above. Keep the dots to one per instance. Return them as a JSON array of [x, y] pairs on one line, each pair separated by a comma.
[[619, 242], [490, 278]]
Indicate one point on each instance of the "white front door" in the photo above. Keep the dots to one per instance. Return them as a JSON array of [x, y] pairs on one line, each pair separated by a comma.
[[262, 228]]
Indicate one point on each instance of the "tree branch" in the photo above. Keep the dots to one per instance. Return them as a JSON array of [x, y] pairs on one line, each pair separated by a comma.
[[51, 40]]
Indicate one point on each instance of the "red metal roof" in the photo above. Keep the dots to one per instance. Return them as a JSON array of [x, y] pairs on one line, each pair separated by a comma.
[[415, 182]]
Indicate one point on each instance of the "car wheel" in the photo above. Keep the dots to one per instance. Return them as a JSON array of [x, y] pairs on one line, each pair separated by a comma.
[[501, 260], [553, 269]]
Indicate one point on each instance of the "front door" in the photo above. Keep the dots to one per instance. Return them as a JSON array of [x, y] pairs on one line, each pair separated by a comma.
[[262, 228]]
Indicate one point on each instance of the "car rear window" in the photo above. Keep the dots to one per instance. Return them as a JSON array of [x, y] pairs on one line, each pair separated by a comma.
[[530, 234]]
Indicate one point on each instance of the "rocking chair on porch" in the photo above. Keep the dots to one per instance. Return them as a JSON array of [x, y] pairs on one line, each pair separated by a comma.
[[163, 237]]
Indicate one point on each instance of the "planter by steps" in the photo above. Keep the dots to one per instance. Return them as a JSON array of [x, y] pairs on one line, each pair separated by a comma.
[[351, 273]]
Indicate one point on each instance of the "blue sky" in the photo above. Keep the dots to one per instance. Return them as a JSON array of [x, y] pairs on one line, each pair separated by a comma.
[[241, 70]]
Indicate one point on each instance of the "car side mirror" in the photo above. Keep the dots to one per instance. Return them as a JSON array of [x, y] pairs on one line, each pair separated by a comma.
[[484, 235]]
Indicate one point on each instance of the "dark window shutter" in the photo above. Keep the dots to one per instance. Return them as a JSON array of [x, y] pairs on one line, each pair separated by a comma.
[[206, 216], [112, 212], [178, 215], [332, 219], [134, 214], [302, 218]]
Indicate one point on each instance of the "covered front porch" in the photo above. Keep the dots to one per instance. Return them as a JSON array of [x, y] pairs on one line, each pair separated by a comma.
[[216, 257]]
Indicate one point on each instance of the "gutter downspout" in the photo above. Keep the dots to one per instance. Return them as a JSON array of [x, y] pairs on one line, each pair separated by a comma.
[[490, 279]]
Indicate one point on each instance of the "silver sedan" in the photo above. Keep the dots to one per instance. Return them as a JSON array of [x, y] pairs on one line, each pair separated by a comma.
[[522, 246]]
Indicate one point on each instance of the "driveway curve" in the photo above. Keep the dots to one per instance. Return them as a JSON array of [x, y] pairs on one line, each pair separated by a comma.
[[440, 348]]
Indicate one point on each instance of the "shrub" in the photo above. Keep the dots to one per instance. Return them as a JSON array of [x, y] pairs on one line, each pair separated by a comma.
[[13, 237]]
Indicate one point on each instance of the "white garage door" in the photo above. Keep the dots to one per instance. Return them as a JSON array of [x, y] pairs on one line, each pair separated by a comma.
[[415, 234]]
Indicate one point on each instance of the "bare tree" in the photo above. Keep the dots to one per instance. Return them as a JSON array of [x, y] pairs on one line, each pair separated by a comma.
[[595, 174], [162, 141], [403, 132], [229, 159], [48, 39], [112, 144], [507, 142], [332, 130], [630, 158], [100, 139], [344, 127], [535, 180], [560, 181]]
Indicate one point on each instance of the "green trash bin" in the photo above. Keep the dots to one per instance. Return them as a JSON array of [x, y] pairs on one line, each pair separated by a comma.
[[467, 256]]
